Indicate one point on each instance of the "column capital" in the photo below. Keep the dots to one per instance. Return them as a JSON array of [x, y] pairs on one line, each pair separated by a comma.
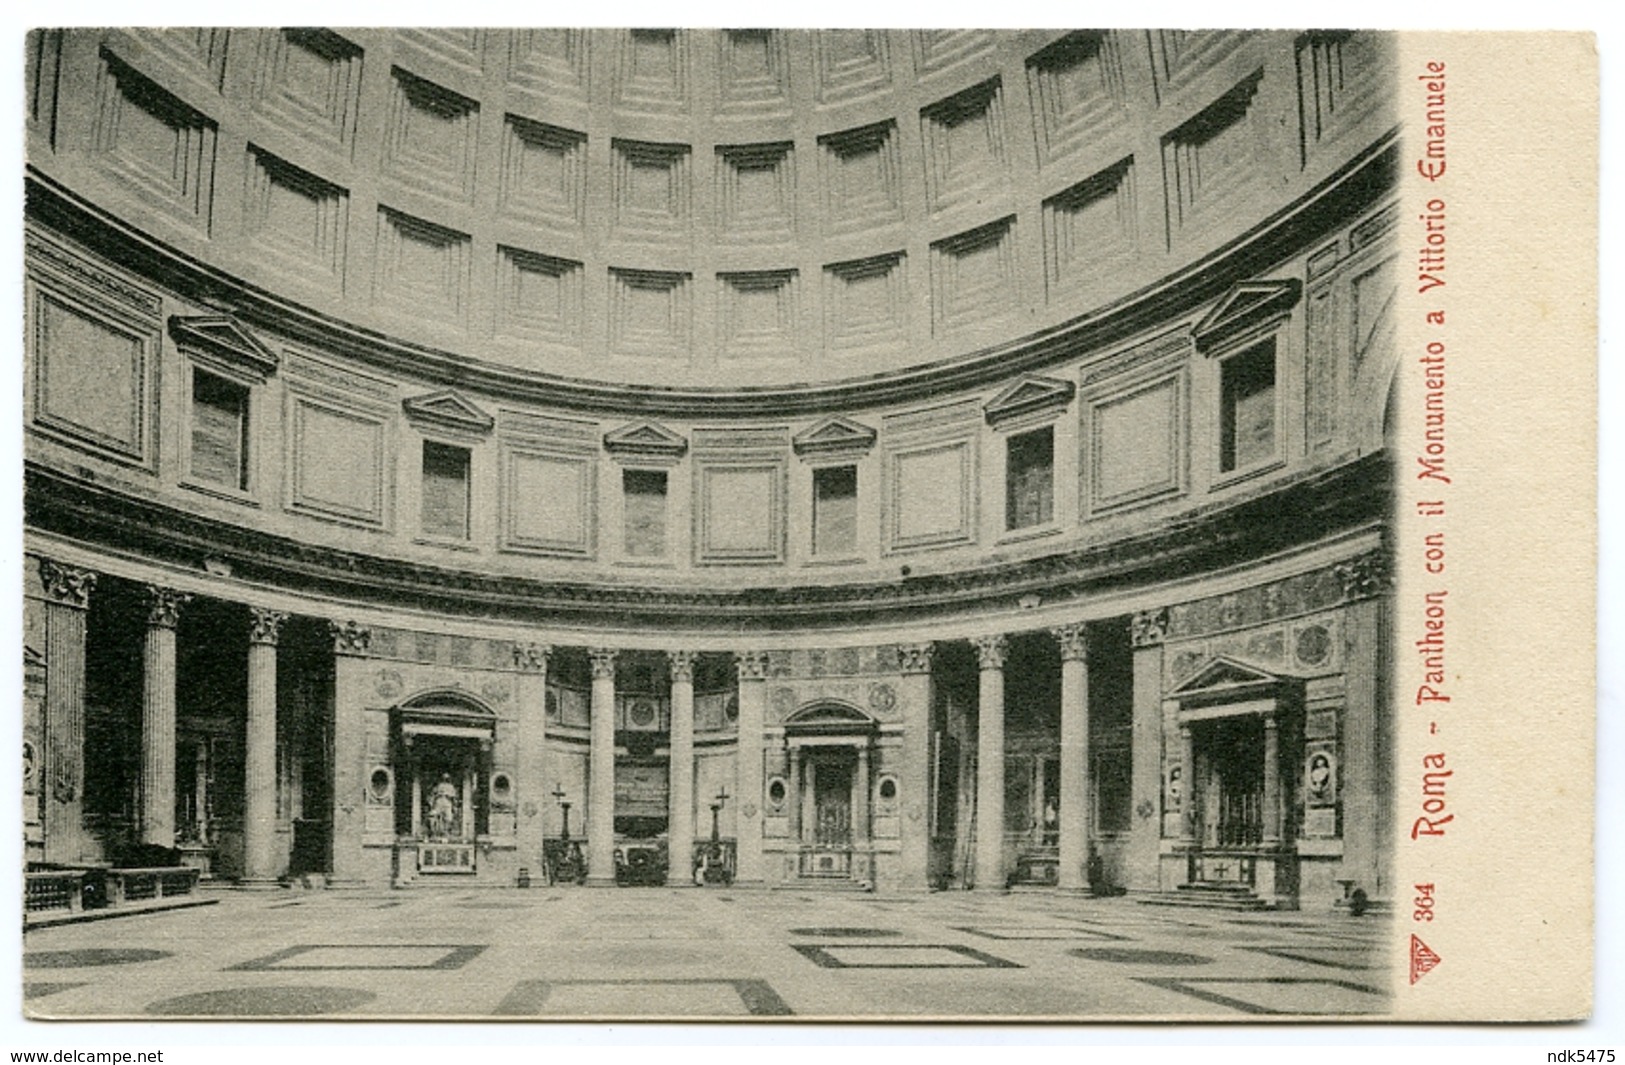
[[915, 657], [681, 664], [164, 606], [603, 662], [349, 638], [1364, 576], [990, 651], [265, 625], [1270, 724], [752, 665], [1074, 641], [67, 585], [530, 657], [1149, 627], [1185, 733]]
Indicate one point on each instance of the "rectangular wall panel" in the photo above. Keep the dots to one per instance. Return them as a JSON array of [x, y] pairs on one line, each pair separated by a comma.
[[740, 517], [931, 498], [338, 458], [92, 373], [547, 501], [1136, 445]]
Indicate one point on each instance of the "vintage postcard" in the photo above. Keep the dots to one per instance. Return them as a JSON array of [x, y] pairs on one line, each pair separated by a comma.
[[805, 524]]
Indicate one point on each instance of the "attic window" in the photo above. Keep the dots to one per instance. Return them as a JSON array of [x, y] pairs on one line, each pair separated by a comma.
[[445, 490], [1030, 479]]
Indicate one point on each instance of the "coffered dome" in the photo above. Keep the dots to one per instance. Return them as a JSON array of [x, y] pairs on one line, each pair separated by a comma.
[[705, 209]]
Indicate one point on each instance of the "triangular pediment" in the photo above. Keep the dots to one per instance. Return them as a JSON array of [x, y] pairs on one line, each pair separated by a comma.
[[1221, 674], [1244, 306], [1028, 395], [645, 440], [447, 409], [222, 337], [834, 434]]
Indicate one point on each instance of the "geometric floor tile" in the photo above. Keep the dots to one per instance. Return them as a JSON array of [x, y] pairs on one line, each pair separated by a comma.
[[262, 1002], [1036, 932], [90, 956], [1339, 957], [643, 999], [309, 957], [898, 956], [40, 990], [1140, 957], [1278, 995]]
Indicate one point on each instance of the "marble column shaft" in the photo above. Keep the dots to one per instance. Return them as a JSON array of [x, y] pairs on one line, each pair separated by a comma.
[[1074, 811], [67, 591], [748, 768], [1188, 793], [914, 783], [530, 783], [158, 717], [260, 865], [353, 687], [680, 818], [1272, 780], [601, 772], [990, 651]]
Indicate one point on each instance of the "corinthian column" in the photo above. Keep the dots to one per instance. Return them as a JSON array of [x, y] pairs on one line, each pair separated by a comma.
[[601, 773], [530, 785], [990, 651], [1074, 826], [158, 717], [914, 782], [748, 767], [260, 865], [680, 812], [67, 598]]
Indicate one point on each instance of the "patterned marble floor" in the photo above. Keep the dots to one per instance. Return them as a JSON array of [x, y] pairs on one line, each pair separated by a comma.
[[689, 954]]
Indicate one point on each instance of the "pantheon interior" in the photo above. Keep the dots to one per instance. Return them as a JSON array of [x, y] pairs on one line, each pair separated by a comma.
[[868, 460]]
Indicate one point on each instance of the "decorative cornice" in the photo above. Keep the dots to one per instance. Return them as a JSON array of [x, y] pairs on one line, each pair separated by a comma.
[[835, 435], [1028, 395], [1355, 495], [349, 638], [1149, 627], [752, 665], [164, 606], [603, 662], [447, 409], [531, 657], [223, 338], [1074, 641], [681, 664], [915, 657], [990, 651], [265, 626], [1246, 305], [1341, 197], [67, 585]]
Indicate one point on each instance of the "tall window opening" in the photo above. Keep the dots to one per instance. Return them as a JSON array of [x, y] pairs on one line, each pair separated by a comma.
[[219, 431], [1030, 479], [1247, 408], [445, 490], [835, 511], [645, 505]]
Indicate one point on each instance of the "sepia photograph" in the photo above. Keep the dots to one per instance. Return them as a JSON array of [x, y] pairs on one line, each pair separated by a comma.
[[729, 525]]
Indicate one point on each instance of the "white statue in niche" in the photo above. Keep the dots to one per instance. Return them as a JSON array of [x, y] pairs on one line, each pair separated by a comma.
[[444, 803]]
